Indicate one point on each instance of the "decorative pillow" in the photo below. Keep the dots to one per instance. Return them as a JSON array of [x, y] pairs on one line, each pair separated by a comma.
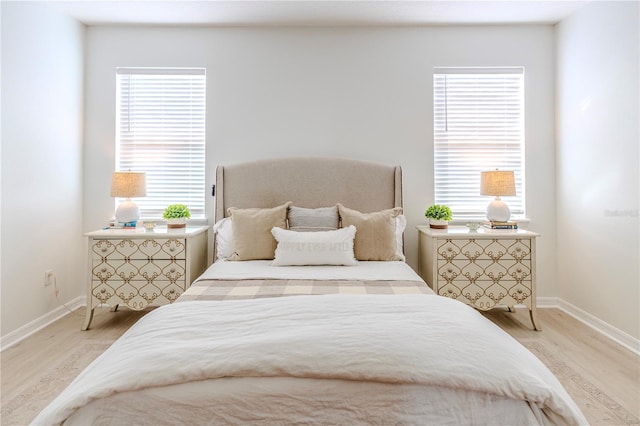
[[401, 224], [252, 239], [320, 219], [314, 248], [224, 238], [376, 238]]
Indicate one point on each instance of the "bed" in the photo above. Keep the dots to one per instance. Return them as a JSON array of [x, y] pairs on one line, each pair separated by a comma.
[[333, 327]]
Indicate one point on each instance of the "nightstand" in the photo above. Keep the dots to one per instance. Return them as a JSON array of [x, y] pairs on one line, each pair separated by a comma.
[[483, 268], [140, 268]]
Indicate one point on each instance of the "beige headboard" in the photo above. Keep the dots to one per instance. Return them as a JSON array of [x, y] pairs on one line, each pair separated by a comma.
[[308, 182]]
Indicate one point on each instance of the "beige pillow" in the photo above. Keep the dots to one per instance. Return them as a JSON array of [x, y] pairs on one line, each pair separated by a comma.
[[376, 233], [252, 238]]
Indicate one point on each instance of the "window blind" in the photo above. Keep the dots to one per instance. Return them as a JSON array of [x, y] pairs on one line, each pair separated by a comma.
[[160, 120], [478, 126]]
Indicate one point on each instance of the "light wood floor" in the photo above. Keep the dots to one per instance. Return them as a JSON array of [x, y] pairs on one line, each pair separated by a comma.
[[30, 359], [611, 367]]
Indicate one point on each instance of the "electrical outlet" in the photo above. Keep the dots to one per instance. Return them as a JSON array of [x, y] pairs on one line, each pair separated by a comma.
[[49, 278]]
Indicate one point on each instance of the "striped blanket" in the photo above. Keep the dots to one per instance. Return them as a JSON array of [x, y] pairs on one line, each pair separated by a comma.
[[209, 289]]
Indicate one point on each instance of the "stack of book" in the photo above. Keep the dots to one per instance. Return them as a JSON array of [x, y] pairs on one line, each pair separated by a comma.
[[122, 225], [500, 225]]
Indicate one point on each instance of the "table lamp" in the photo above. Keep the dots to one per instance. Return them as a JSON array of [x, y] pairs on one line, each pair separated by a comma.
[[498, 183], [128, 185]]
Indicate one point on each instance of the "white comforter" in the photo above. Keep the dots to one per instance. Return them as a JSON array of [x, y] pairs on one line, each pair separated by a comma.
[[414, 343]]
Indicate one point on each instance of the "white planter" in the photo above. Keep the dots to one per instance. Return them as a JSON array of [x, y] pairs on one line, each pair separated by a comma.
[[177, 223], [438, 223]]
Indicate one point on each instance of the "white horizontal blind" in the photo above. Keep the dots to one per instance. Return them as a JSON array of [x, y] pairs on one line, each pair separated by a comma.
[[160, 121], [478, 126]]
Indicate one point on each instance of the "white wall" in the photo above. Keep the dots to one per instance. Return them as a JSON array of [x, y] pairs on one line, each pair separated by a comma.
[[363, 93], [42, 103], [597, 149]]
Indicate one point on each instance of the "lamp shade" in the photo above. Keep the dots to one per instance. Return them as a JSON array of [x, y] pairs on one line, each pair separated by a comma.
[[128, 184], [497, 183]]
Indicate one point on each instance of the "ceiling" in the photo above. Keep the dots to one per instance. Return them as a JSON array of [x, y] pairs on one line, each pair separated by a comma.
[[310, 12]]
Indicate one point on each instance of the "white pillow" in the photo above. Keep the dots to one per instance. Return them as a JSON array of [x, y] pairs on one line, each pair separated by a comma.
[[314, 248], [224, 238], [401, 224]]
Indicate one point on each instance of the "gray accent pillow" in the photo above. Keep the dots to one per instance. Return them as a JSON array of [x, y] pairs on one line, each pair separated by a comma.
[[320, 219]]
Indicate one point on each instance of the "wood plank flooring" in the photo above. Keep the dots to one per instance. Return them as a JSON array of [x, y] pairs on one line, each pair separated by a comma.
[[609, 366], [30, 359]]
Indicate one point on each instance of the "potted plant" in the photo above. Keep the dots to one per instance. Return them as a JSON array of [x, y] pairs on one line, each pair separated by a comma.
[[439, 216], [176, 215]]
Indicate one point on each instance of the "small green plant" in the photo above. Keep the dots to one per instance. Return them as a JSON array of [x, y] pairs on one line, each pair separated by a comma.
[[439, 212], [176, 211]]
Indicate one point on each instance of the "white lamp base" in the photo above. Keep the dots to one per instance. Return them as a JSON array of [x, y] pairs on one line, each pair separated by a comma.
[[498, 211], [127, 212]]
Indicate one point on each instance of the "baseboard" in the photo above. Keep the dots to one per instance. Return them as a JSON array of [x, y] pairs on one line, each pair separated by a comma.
[[27, 330], [592, 321]]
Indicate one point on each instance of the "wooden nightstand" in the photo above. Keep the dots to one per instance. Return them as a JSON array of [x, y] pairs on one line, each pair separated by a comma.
[[483, 268], [139, 268]]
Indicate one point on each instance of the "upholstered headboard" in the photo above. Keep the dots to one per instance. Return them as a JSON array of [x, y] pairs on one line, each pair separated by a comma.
[[308, 182]]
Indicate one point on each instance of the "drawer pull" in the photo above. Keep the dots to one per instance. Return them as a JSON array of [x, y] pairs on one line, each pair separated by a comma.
[[449, 249], [103, 270], [519, 270], [172, 291], [104, 249], [172, 270], [518, 249], [449, 291], [103, 291], [519, 291], [172, 249]]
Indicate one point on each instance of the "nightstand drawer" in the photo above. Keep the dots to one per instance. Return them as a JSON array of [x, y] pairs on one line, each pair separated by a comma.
[[137, 294], [494, 249], [484, 269], [139, 270], [487, 294], [139, 249]]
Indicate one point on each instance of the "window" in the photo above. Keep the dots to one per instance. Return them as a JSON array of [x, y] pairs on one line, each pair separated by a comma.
[[478, 125], [160, 130]]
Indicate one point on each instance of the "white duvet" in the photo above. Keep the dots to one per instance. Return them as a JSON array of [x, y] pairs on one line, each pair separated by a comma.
[[335, 359]]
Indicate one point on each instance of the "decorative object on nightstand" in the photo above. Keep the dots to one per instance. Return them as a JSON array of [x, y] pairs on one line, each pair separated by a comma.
[[483, 268], [149, 225], [128, 185], [439, 216], [176, 215], [498, 183], [472, 226], [138, 269]]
